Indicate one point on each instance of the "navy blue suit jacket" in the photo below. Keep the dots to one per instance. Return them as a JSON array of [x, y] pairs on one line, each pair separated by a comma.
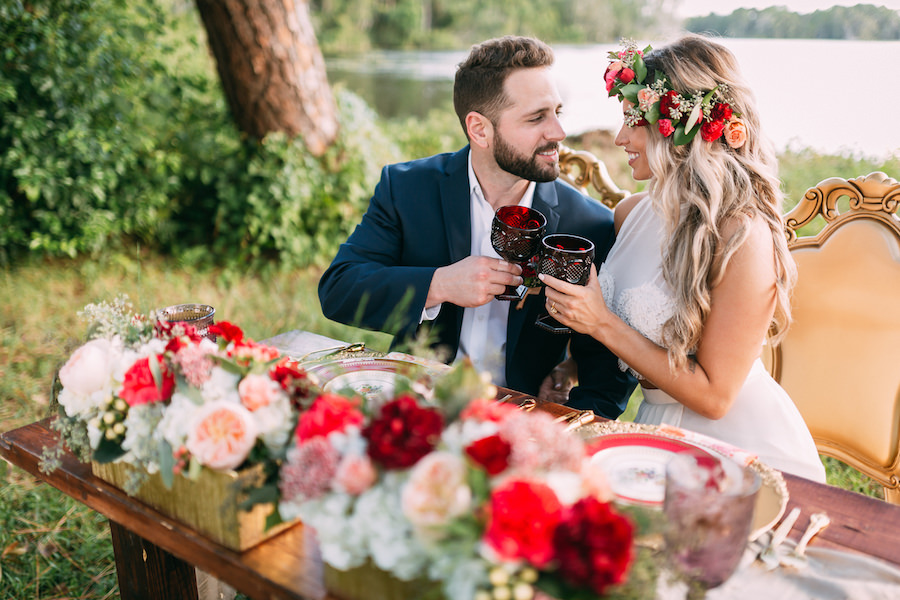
[[419, 220]]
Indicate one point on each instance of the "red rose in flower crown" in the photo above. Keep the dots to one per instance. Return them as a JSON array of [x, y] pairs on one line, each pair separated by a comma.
[[523, 516], [712, 130], [665, 127], [141, 387], [328, 413], [403, 433]]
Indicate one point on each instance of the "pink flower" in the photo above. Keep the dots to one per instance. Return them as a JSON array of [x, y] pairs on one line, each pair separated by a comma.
[[482, 409], [539, 443], [612, 71], [309, 470], [89, 369], [195, 362], [355, 474], [647, 98], [436, 492], [665, 127], [257, 391], [523, 516], [221, 435]]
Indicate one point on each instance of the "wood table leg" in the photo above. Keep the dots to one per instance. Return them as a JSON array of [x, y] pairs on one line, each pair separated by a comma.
[[147, 572]]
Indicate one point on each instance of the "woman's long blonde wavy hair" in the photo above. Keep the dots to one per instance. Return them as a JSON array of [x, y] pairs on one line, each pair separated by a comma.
[[700, 187]]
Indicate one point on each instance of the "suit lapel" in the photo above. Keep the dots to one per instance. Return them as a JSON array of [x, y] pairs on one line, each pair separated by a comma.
[[455, 206], [546, 201]]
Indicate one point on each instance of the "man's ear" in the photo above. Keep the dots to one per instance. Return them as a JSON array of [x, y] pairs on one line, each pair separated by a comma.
[[480, 129]]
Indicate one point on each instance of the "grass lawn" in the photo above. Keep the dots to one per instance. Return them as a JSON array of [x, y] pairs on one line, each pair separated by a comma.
[[52, 546]]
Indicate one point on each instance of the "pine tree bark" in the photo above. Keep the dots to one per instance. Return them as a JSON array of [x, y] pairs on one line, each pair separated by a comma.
[[271, 68]]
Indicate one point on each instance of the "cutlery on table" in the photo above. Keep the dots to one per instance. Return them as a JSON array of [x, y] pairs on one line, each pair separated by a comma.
[[797, 557], [769, 555]]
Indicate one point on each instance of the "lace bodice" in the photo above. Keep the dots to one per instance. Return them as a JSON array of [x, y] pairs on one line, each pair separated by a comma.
[[631, 277]]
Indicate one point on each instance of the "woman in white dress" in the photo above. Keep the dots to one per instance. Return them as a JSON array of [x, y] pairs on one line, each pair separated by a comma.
[[700, 270]]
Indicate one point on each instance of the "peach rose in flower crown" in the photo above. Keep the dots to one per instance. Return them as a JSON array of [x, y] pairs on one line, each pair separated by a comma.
[[647, 98], [221, 435], [735, 133]]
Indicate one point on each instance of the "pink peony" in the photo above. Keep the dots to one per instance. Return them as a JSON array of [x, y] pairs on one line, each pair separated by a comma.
[[257, 391], [221, 435], [89, 369], [436, 492], [355, 474]]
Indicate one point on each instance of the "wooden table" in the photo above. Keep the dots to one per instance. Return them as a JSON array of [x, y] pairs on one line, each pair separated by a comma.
[[155, 555]]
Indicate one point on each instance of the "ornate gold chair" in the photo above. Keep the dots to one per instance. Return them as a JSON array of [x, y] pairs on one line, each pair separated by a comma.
[[840, 361], [584, 171]]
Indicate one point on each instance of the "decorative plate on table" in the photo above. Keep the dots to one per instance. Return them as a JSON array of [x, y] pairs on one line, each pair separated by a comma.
[[634, 457], [373, 378]]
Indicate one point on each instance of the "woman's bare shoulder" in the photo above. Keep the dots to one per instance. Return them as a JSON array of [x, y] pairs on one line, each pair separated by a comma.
[[624, 207]]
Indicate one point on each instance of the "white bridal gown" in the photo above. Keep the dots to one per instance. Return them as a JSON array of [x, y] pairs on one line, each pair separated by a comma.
[[763, 419]]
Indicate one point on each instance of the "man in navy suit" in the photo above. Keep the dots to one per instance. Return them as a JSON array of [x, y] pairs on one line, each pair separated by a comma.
[[422, 257]]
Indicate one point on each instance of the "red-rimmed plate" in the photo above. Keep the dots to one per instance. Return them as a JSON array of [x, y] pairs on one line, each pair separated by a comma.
[[635, 464], [634, 458]]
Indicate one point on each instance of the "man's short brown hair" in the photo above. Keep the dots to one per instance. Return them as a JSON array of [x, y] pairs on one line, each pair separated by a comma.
[[479, 79]]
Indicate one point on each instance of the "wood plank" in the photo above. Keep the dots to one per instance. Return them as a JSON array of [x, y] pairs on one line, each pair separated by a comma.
[[147, 572]]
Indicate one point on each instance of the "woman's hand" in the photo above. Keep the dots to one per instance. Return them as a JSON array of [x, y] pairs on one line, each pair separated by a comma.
[[580, 307], [556, 385]]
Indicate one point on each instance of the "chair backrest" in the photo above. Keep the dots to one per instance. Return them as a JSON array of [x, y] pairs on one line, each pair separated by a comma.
[[840, 361], [585, 171]]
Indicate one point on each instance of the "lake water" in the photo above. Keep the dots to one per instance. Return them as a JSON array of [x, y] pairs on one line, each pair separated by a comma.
[[834, 96]]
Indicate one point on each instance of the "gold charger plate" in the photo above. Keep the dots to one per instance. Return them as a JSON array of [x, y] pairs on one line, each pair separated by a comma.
[[643, 449], [373, 378]]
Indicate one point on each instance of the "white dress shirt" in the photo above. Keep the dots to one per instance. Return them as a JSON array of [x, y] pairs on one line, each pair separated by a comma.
[[483, 334]]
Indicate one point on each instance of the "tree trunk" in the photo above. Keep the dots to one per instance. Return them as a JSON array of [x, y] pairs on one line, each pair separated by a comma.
[[271, 68]]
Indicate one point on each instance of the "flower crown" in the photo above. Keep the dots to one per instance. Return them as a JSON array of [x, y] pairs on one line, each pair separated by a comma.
[[679, 117]]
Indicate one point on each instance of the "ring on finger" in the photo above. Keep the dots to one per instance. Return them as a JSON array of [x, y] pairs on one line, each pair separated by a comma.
[[553, 309]]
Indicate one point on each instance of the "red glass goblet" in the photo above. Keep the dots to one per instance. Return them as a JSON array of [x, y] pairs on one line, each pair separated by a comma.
[[567, 257], [516, 233]]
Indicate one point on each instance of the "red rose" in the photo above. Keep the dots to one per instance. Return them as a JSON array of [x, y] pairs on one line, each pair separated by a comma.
[[667, 103], [665, 127], [140, 387], [712, 130], [293, 379], [403, 433], [491, 452], [523, 516], [329, 412], [593, 545], [626, 75], [720, 112], [227, 331]]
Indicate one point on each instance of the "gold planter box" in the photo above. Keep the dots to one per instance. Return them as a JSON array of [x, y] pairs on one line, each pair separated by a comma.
[[209, 504], [368, 582]]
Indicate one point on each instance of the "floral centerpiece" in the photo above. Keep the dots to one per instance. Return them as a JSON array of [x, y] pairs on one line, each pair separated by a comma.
[[165, 401], [447, 484]]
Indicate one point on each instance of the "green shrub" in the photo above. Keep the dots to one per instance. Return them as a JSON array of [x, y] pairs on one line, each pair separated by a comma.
[[82, 102]]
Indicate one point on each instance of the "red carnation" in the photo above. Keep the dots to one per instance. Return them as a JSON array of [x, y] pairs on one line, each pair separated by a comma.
[[139, 386], [665, 127], [712, 130], [593, 545], [227, 331], [403, 433], [667, 103], [522, 521], [491, 452], [328, 413], [720, 112]]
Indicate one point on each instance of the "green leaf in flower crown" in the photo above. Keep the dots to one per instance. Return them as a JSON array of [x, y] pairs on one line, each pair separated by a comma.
[[640, 69], [107, 451], [166, 463], [679, 138], [652, 115], [631, 90]]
